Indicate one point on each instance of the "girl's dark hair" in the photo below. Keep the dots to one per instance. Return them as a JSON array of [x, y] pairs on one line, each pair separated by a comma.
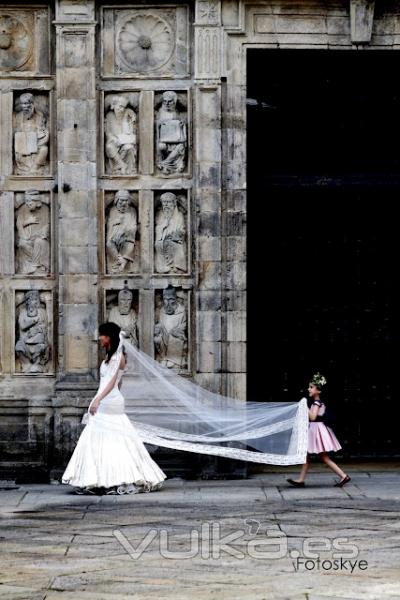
[[112, 330]]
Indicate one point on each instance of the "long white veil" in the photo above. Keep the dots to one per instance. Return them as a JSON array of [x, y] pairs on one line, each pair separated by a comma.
[[170, 411]]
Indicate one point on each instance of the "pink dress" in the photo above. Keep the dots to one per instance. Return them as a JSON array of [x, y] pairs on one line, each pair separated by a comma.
[[320, 437]]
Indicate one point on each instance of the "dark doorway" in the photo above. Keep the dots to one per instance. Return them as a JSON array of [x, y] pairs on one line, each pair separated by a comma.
[[323, 189]]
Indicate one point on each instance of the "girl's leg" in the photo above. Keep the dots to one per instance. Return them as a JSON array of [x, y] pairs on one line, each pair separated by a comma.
[[304, 470], [332, 465]]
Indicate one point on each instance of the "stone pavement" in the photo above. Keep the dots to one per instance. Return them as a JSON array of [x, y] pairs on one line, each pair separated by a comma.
[[249, 539]]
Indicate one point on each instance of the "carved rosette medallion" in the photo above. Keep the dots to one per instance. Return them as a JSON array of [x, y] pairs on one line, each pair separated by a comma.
[[15, 43], [145, 43]]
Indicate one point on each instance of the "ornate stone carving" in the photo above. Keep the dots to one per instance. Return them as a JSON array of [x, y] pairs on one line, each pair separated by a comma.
[[208, 12], [31, 134], [170, 331], [171, 133], [15, 43], [120, 134], [32, 225], [145, 42], [122, 309], [121, 229], [170, 234], [32, 348], [208, 53]]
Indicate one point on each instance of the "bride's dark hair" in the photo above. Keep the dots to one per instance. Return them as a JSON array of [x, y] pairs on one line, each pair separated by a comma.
[[112, 330]]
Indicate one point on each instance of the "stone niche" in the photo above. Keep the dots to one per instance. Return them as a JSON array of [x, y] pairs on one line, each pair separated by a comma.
[[32, 233], [31, 133], [122, 308], [121, 232], [33, 332], [171, 328], [121, 141], [171, 227], [171, 133], [149, 42]]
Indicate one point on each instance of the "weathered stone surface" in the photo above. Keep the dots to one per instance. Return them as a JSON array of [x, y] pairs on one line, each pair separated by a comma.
[[60, 545], [180, 74]]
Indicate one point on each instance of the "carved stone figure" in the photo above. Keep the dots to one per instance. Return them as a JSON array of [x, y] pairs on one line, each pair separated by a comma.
[[124, 314], [32, 347], [121, 233], [170, 236], [15, 43], [120, 137], [31, 137], [33, 234], [170, 337], [171, 136]]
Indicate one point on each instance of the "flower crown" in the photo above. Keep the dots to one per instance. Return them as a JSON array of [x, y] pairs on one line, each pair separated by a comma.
[[318, 380]]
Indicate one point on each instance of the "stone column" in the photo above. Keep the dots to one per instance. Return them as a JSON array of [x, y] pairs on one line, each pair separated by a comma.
[[207, 177], [77, 225], [77, 222], [215, 356]]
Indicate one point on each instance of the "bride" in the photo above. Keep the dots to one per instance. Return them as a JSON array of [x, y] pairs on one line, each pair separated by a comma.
[[166, 409], [109, 457]]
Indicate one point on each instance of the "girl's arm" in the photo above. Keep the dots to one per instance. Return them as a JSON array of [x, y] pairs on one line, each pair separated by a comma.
[[313, 411]]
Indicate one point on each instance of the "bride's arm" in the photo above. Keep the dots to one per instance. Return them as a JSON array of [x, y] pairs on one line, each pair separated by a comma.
[[107, 389], [122, 366]]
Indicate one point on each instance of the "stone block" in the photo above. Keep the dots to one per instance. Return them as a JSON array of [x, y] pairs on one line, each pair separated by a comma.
[[74, 232], [209, 224], [209, 381], [209, 357], [208, 248], [75, 204], [80, 318], [74, 259], [235, 275], [236, 326], [209, 275], [76, 289], [236, 385], [208, 326], [76, 353], [236, 357], [236, 248], [208, 300]]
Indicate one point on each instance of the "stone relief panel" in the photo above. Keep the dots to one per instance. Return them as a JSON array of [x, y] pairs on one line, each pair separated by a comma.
[[32, 233], [31, 134], [208, 12], [122, 307], [171, 132], [146, 42], [171, 328], [121, 232], [120, 133], [170, 233], [16, 43], [33, 332], [24, 40]]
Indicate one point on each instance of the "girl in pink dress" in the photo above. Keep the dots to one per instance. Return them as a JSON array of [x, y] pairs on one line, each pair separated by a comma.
[[321, 438]]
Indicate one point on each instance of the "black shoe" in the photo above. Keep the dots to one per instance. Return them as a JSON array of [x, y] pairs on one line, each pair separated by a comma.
[[343, 481], [296, 483]]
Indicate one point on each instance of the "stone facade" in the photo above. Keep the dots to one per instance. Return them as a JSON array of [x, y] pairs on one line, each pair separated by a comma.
[[110, 115]]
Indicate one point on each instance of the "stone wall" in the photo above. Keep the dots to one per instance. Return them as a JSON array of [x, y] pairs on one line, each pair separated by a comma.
[[122, 192]]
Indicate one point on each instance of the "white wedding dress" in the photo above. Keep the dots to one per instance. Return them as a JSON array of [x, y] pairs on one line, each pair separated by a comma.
[[108, 453]]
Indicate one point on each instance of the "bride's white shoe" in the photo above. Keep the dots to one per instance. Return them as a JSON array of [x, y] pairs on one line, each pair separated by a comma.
[[128, 488]]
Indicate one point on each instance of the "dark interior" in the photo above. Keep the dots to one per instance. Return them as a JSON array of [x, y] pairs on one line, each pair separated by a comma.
[[323, 187]]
